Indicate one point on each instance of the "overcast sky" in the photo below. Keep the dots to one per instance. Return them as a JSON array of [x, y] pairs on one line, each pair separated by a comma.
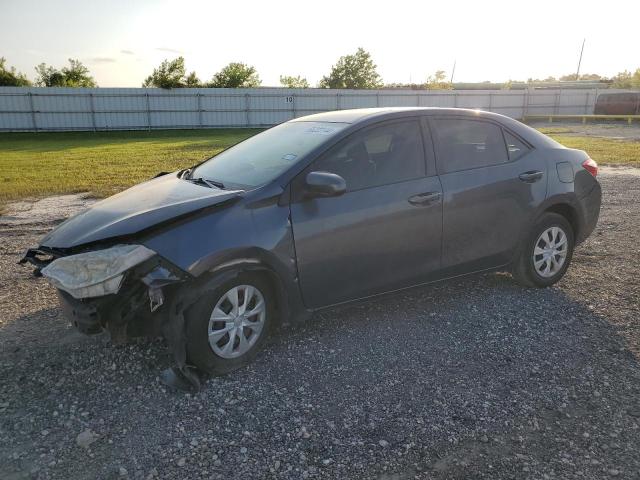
[[121, 41]]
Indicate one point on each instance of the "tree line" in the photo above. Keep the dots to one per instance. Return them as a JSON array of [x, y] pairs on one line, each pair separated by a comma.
[[355, 71], [351, 71]]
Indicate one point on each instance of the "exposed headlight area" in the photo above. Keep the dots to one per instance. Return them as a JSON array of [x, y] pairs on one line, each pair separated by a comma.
[[96, 273]]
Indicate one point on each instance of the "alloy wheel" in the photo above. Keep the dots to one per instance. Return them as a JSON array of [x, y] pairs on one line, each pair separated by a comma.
[[237, 321], [550, 252]]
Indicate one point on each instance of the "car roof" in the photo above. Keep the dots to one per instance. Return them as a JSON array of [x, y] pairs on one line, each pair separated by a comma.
[[363, 116], [360, 114]]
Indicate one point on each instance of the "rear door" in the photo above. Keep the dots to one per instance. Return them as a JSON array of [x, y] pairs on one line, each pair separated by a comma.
[[384, 232], [492, 181]]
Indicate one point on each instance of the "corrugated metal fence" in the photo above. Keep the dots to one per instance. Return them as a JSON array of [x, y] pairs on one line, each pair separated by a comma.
[[52, 109]]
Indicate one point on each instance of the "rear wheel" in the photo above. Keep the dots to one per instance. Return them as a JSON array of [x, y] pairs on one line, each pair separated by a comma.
[[546, 254], [228, 325]]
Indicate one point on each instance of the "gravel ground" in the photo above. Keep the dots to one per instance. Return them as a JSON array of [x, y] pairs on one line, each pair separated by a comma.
[[472, 378]]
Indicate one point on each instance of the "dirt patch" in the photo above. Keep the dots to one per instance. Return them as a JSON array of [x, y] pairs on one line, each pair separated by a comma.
[[627, 171], [44, 210]]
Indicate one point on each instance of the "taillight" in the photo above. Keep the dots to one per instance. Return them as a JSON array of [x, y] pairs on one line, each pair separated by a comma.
[[590, 166]]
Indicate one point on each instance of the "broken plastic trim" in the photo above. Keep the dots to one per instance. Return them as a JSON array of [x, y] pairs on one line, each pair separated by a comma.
[[96, 273], [186, 379], [38, 258], [156, 279]]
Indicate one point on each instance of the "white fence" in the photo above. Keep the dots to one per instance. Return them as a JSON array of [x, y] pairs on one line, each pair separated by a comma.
[[53, 109]]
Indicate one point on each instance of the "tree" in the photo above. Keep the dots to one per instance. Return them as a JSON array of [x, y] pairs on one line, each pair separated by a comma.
[[626, 79], [49, 76], [77, 75], [405, 86], [438, 81], [293, 82], [538, 80], [585, 76], [192, 81], [236, 75], [172, 74], [74, 75], [9, 77], [353, 71]]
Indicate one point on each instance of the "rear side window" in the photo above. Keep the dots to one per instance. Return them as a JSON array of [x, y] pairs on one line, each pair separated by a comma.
[[466, 144], [515, 146], [377, 156]]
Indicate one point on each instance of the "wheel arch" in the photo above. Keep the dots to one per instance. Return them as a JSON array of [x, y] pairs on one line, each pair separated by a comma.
[[566, 205], [569, 212], [281, 277]]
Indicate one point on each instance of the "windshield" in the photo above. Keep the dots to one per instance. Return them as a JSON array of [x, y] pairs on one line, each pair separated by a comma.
[[263, 157]]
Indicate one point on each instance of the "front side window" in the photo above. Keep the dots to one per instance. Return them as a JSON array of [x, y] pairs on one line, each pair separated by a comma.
[[378, 156], [265, 156], [466, 144]]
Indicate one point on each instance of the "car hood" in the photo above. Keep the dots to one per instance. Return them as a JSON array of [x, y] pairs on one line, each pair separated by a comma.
[[136, 209]]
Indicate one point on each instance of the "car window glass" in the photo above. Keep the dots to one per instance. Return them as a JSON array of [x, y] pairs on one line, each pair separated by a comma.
[[266, 155], [465, 144], [378, 156], [515, 146], [379, 143]]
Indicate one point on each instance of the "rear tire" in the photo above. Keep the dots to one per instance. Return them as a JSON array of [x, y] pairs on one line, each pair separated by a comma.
[[546, 252], [228, 325]]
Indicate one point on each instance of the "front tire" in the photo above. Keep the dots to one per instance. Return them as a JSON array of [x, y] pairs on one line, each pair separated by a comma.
[[546, 252], [228, 325]]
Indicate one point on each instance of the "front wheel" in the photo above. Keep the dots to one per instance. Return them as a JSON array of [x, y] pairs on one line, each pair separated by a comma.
[[546, 253], [229, 324]]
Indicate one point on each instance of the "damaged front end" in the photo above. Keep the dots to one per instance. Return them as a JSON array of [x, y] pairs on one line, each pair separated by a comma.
[[117, 288], [129, 291]]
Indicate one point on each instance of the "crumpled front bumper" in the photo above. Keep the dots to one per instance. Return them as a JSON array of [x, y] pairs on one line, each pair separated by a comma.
[[151, 301], [86, 316], [127, 313]]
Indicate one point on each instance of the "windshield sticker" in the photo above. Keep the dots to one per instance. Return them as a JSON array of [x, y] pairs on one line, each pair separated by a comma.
[[320, 130], [289, 157]]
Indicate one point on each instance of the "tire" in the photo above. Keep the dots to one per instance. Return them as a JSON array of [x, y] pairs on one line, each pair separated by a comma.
[[545, 269], [212, 357]]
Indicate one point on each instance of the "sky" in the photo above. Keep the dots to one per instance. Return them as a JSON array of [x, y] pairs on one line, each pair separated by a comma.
[[121, 41]]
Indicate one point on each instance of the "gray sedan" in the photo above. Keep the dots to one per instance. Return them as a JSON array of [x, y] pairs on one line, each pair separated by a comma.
[[318, 211]]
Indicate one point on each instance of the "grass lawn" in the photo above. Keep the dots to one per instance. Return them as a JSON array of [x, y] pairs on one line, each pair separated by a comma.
[[102, 163], [605, 151]]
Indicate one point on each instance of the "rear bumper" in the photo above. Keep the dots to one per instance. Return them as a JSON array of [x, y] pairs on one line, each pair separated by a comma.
[[590, 212]]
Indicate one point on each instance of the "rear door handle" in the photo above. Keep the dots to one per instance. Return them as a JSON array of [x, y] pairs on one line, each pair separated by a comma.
[[426, 198], [532, 176]]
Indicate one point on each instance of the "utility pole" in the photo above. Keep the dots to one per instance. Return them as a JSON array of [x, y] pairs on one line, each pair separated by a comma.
[[580, 61], [453, 70]]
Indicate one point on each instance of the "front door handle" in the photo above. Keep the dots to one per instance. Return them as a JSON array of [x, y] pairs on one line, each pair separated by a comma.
[[532, 176], [426, 198]]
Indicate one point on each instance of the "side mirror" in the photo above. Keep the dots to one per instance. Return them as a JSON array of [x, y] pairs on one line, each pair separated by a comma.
[[324, 184]]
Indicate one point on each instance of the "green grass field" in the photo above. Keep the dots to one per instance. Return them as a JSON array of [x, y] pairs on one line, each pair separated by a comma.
[[605, 151], [103, 163], [41, 164]]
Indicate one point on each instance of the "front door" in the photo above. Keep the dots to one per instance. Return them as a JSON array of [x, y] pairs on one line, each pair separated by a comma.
[[384, 232]]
